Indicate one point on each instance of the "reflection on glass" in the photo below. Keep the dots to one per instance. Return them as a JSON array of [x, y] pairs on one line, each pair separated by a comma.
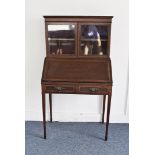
[[94, 39], [61, 39]]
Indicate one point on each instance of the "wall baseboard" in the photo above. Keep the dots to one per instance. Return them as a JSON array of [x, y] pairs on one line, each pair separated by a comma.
[[75, 117]]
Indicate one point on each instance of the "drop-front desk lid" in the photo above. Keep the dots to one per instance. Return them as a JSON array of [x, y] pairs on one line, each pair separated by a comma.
[[77, 70]]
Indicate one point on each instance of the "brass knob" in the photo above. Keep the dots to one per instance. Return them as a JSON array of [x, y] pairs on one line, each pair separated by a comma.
[[59, 88], [94, 89]]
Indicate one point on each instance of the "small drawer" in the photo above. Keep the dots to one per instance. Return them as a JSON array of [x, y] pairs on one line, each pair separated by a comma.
[[60, 88], [92, 89]]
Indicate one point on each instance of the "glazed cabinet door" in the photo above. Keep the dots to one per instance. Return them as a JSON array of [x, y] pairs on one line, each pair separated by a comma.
[[61, 39], [94, 39]]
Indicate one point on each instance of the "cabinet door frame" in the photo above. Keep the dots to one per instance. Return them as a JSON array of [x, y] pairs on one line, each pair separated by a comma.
[[79, 39], [47, 45]]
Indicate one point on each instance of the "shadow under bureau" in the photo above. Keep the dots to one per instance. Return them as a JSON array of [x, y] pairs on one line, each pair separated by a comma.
[[77, 59]]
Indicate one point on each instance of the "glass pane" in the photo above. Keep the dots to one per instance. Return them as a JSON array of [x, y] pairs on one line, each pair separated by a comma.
[[94, 40], [61, 39]]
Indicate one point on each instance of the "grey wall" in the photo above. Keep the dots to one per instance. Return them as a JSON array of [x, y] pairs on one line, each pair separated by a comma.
[[76, 107]]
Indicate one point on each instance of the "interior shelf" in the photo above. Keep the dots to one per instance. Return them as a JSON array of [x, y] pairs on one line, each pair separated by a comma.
[[93, 39], [61, 39]]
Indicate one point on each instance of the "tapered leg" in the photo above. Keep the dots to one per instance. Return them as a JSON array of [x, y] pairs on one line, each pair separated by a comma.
[[104, 99], [108, 114], [50, 102], [44, 114]]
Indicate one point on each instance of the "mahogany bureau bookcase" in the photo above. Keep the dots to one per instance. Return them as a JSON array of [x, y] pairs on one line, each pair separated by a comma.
[[77, 59]]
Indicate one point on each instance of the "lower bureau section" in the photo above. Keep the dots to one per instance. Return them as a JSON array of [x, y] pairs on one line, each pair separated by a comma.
[[77, 88]]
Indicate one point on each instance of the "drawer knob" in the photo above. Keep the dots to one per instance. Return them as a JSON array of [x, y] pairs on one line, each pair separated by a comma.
[[94, 89], [59, 88]]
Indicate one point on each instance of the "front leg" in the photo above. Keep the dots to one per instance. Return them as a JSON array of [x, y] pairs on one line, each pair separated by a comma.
[[108, 115], [50, 104], [44, 114], [104, 99]]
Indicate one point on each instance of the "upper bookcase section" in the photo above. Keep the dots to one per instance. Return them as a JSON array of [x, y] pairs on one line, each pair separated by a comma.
[[78, 36]]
